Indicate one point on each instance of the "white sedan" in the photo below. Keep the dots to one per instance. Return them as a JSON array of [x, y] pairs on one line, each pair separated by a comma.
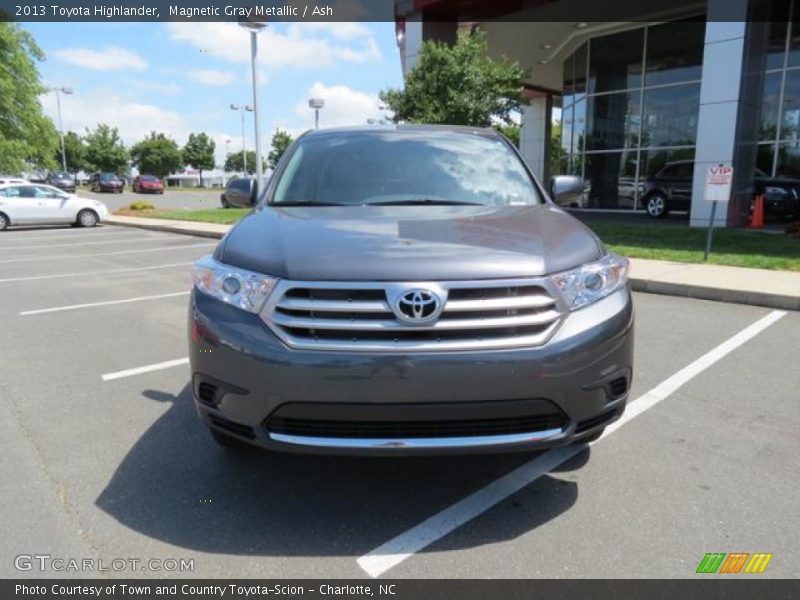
[[34, 204]]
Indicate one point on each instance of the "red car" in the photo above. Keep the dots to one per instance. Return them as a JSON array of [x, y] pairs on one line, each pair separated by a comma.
[[147, 183]]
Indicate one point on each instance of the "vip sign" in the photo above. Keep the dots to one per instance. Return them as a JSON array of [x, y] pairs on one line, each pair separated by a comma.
[[719, 180]]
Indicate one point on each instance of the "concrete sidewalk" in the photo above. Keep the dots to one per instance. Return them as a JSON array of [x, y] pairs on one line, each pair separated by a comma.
[[756, 287]]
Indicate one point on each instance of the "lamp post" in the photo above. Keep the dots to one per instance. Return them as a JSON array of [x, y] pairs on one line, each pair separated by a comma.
[[255, 27], [317, 104], [68, 91], [242, 108]]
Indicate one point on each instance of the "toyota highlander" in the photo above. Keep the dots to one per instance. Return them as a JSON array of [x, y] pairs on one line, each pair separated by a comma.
[[409, 289]]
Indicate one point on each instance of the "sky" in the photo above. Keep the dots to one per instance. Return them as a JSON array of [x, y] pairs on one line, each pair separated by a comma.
[[180, 78]]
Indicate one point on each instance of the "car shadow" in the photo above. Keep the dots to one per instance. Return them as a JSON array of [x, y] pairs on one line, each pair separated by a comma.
[[176, 485]]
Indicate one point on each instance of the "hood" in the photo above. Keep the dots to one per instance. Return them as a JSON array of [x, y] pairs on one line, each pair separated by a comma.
[[408, 243]]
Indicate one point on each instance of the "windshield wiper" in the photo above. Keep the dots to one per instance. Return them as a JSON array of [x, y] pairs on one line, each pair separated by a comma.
[[423, 202]]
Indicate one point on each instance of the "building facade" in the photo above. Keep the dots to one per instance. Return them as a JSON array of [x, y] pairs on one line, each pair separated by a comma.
[[679, 84]]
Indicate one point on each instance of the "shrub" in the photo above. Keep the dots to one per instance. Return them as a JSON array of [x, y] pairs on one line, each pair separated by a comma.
[[142, 205]]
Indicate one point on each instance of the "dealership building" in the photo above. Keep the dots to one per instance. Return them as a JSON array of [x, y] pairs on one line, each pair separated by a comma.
[[672, 83]]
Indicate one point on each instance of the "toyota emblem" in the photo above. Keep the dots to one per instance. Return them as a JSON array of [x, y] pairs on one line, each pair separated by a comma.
[[418, 306]]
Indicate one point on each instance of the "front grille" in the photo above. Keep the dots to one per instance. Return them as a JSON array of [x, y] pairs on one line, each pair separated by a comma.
[[481, 315], [414, 429]]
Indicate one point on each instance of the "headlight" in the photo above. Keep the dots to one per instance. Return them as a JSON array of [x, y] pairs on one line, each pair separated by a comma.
[[592, 282], [243, 289], [776, 191]]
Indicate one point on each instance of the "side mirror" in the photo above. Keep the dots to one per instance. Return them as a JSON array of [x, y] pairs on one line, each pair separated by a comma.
[[568, 190]]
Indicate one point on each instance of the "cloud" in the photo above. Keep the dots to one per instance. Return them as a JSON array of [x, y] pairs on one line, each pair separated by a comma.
[[212, 77], [343, 106], [109, 58], [168, 89], [300, 45], [134, 119]]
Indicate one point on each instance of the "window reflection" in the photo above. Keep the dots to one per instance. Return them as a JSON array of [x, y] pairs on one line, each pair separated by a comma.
[[612, 179], [615, 61], [614, 121], [670, 115], [675, 52]]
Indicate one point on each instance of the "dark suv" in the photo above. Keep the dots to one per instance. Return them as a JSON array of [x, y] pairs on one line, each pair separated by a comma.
[[671, 189], [62, 180], [106, 182], [239, 193], [409, 289]]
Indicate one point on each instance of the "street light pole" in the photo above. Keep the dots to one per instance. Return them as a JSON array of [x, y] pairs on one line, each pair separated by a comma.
[[255, 28], [241, 108], [316, 104], [61, 90]]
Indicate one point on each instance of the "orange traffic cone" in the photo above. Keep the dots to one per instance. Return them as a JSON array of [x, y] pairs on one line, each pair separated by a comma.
[[757, 217]]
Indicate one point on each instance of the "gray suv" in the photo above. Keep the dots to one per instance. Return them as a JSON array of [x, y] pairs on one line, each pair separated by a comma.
[[408, 289]]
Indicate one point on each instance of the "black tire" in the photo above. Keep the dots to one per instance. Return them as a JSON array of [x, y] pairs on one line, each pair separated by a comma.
[[4, 222], [228, 441], [87, 218], [225, 203], [656, 206]]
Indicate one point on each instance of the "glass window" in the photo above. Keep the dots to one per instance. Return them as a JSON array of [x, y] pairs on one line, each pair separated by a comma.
[[788, 161], [794, 42], [566, 131], [579, 127], [616, 61], [776, 37], [569, 81], [653, 161], [768, 121], [764, 157], [675, 52], [397, 166], [613, 121], [612, 178], [581, 56], [670, 115], [790, 121]]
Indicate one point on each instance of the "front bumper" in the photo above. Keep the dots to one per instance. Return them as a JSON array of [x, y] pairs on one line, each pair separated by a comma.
[[248, 384]]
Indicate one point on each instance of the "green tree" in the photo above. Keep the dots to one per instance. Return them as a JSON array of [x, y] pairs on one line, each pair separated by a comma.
[[511, 132], [105, 150], [458, 85], [199, 153], [27, 137], [234, 162], [281, 141], [75, 152], [157, 154], [559, 160]]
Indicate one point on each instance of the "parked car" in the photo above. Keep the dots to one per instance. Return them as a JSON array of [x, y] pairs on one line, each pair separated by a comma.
[[62, 180], [27, 204], [409, 290], [106, 182], [147, 184], [671, 189], [239, 193], [4, 179]]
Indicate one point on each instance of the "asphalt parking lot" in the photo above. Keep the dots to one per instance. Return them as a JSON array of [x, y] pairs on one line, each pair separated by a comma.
[[104, 458], [170, 199]]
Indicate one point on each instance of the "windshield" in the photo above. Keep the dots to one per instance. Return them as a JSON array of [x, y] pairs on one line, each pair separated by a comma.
[[148, 178], [409, 167], [108, 177]]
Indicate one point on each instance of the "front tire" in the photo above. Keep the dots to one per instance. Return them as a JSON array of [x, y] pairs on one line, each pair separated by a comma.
[[657, 206], [228, 441], [3, 222], [87, 218]]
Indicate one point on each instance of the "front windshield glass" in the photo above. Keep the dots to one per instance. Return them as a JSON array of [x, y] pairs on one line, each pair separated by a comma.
[[393, 167]]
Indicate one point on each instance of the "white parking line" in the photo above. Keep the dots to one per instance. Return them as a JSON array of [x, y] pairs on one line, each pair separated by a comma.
[[405, 545], [117, 240], [146, 369], [91, 273], [12, 240], [42, 311], [71, 256]]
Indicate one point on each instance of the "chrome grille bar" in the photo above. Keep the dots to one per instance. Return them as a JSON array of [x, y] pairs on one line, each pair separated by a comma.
[[360, 316]]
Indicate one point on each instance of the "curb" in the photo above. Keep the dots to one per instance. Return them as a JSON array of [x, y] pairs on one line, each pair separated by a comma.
[[218, 235], [649, 286], [700, 292]]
